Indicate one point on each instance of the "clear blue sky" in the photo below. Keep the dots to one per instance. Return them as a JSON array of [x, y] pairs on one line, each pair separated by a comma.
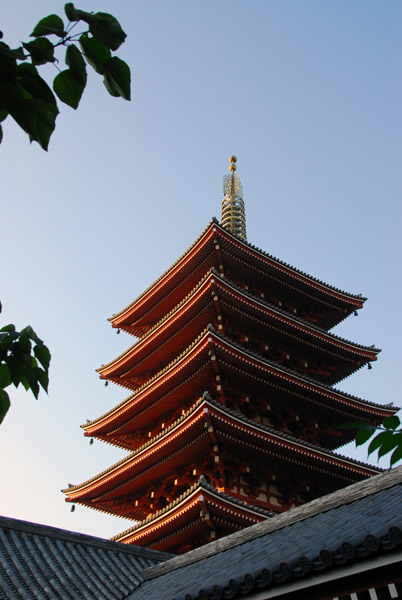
[[307, 94]]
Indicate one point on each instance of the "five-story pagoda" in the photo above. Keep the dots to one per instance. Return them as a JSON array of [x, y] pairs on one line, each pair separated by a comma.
[[232, 415]]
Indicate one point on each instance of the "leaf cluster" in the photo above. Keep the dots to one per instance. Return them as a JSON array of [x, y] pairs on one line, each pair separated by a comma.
[[388, 438], [24, 94], [24, 359]]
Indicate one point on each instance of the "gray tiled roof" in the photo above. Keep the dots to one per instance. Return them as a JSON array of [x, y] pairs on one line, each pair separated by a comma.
[[345, 526], [37, 561]]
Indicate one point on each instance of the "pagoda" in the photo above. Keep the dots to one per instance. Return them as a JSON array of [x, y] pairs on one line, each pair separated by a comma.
[[232, 414]]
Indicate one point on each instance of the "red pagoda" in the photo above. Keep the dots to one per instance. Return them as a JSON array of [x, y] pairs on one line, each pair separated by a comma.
[[232, 415]]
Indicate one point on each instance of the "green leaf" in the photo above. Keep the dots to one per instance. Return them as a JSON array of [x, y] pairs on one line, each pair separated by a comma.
[[6, 53], [31, 376], [24, 382], [20, 351], [75, 14], [43, 121], [96, 53], [8, 62], [392, 422], [364, 434], [378, 441], [5, 377], [9, 327], [71, 12], [76, 63], [7, 339], [30, 332], [3, 114], [16, 370], [388, 445], [105, 28], [41, 51], [32, 361], [4, 404], [43, 355], [116, 77], [68, 88], [25, 342], [397, 454], [43, 379], [51, 24], [35, 116], [15, 98], [21, 113], [32, 82]]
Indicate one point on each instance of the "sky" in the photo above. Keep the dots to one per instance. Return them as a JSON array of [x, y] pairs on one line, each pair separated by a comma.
[[307, 94]]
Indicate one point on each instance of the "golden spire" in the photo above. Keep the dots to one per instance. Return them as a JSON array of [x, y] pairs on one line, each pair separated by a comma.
[[233, 212]]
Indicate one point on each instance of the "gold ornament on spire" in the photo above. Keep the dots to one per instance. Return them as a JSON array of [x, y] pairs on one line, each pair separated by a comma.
[[233, 211]]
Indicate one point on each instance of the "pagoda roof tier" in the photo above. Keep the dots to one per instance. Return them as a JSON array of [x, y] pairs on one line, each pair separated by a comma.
[[213, 295], [198, 512], [219, 248], [195, 433], [212, 355]]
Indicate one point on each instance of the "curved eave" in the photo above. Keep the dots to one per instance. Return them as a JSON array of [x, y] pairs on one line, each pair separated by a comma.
[[297, 282], [185, 511], [188, 438], [186, 431], [177, 272], [190, 363], [151, 349], [180, 270], [184, 367], [182, 316]]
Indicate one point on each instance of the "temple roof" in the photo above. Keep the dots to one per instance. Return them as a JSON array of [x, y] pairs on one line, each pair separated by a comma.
[[184, 512], [195, 362], [188, 438], [192, 314], [37, 561], [184, 273], [354, 530]]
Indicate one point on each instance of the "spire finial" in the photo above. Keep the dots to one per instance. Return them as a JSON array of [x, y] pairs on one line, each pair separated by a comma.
[[233, 212]]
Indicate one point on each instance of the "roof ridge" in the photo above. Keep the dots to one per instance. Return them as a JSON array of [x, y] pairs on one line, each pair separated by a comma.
[[73, 536], [294, 317], [288, 436], [295, 373], [288, 266]]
